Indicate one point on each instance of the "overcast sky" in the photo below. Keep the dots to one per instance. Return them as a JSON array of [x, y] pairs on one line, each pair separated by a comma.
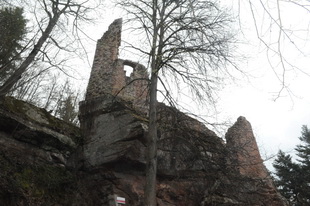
[[276, 123]]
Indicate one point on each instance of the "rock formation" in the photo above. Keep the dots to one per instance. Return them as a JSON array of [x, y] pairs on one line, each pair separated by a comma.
[[36, 150], [47, 162], [244, 151]]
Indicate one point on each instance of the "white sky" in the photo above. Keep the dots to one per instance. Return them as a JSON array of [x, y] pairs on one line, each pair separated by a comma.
[[276, 124]]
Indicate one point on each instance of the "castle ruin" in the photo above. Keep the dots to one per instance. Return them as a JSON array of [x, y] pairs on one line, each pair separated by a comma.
[[46, 161], [115, 132]]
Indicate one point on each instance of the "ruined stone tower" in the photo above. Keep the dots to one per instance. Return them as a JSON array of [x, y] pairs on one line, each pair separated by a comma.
[[103, 74], [108, 88], [108, 75]]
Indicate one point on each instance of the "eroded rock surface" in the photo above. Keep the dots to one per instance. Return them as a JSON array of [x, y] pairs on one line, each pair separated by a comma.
[[36, 150], [242, 145], [195, 166]]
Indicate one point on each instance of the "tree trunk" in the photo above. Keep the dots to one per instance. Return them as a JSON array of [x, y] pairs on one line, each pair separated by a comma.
[[151, 167], [151, 155]]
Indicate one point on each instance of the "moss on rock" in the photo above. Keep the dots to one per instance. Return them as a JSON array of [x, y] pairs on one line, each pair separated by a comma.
[[35, 184], [28, 112]]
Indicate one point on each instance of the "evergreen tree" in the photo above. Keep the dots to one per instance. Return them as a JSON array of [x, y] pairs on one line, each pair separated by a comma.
[[13, 29], [67, 109], [293, 178], [303, 150]]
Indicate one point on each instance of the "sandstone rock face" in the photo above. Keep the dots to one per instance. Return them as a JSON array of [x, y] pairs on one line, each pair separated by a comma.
[[36, 130], [194, 165], [242, 145], [111, 132], [247, 168], [36, 151]]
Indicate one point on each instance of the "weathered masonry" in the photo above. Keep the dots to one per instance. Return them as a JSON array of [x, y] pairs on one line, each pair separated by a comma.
[[108, 75]]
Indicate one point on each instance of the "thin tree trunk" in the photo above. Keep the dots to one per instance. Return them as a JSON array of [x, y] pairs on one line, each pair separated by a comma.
[[48, 101], [151, 155], [151, 167]]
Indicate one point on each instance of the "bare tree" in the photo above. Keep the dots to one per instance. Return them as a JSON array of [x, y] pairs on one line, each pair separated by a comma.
[[66, 106], [51, 34], [186, 39], [47, 90], [29, 87]]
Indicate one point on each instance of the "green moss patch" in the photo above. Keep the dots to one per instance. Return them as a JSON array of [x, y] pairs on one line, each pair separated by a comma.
[[35, 184]]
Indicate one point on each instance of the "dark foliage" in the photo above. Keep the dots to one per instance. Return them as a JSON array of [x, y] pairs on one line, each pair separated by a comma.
[[13, 29], [293, 178]]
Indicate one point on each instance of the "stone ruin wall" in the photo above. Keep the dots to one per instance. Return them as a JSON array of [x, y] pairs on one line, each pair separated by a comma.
[[105, 55], [108, 75]]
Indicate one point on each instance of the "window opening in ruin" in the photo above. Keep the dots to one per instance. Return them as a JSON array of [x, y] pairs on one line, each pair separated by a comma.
[[128, 70]]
